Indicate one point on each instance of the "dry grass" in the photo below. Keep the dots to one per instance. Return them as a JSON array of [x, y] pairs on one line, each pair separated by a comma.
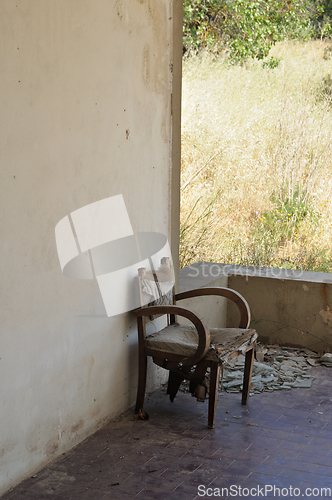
[[256, 143]]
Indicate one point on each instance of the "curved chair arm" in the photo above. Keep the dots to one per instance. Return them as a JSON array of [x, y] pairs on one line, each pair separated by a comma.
[[198, 322], [234, 296]]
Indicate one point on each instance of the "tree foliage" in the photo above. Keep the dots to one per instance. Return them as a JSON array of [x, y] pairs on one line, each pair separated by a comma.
[[247, 28], [323, 20]]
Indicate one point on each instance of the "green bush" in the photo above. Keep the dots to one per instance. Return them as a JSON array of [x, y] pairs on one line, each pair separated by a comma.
[[275, 231], [247, 28], [284, 220], [271, 63]]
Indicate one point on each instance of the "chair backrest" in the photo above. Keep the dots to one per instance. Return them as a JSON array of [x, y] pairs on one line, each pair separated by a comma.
[[157, 287]]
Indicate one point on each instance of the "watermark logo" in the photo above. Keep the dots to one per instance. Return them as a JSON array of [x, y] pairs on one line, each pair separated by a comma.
[[215, 271], [98, 242], [265, 491]]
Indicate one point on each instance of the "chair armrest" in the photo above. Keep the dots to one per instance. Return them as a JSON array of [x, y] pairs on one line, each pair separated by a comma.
[[230, 294], [198, 322]]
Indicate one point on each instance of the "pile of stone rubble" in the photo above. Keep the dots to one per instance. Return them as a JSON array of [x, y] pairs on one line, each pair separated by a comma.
[[275, 368]]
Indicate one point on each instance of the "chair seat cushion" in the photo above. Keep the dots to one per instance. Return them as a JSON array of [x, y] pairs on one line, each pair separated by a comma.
[[183, 340]]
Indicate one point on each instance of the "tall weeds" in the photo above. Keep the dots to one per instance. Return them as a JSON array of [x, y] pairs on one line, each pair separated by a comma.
[[257, 143]]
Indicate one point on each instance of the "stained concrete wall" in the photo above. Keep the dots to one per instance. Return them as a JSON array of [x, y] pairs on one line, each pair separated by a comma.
[[288, 308], [292, 308], [85, 93]]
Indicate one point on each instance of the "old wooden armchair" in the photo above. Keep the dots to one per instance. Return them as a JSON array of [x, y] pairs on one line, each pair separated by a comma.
[[188, 351]]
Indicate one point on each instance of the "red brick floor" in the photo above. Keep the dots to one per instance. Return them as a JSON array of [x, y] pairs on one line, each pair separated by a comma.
[[280, 440]]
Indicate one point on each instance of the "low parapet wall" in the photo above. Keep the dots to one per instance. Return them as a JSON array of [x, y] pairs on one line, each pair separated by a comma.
[[288, 307]]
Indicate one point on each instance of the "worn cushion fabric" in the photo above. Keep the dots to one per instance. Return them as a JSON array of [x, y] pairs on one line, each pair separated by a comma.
[[183, 340]]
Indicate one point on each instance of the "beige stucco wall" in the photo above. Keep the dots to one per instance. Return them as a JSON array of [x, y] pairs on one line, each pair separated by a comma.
[[85, 94]]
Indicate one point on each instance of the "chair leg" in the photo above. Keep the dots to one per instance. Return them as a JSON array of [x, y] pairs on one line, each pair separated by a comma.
[[142, 368], [249, 361], [169, 383], [213, 393], [174, 382]]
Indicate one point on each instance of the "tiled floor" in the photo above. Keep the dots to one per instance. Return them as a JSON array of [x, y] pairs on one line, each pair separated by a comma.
[[280, 440]]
